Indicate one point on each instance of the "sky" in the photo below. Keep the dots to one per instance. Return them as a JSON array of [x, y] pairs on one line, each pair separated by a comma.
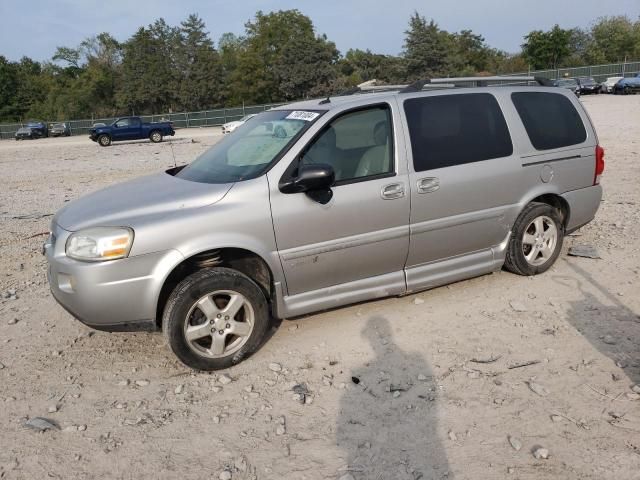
[[36, 27]]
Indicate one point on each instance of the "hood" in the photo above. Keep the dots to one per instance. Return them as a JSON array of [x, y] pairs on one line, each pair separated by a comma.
[[120, 204], [232, 124]]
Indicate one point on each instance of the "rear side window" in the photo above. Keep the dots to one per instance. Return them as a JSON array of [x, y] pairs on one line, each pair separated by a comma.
[[449, 130], [550, 119]]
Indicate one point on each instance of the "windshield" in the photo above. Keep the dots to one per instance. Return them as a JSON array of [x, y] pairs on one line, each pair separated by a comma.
[[567, 83], [587, 81], [249, 151]]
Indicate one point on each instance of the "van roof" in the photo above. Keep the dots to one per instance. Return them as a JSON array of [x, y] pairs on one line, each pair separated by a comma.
[[333, 102]]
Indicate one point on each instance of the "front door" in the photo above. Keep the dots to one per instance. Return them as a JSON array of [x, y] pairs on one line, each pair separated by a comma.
[[125, 129], [360, 238]]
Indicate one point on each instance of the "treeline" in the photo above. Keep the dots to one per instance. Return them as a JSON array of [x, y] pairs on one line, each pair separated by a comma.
[[280, 57]]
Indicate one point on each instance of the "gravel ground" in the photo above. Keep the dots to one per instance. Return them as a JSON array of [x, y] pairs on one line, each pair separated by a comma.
[[392, 389]]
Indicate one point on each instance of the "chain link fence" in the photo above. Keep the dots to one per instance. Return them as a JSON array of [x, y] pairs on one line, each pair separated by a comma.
[[217, 117], [206, 118]]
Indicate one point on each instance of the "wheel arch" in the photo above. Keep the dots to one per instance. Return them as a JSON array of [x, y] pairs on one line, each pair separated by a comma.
[[241, 259], [553, 198], [558, 202]]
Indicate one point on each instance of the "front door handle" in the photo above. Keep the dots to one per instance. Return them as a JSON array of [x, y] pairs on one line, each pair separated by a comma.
[[428, 184], [392, 191]]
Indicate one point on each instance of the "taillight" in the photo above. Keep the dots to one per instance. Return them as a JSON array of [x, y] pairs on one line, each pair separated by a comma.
[[599, 164]]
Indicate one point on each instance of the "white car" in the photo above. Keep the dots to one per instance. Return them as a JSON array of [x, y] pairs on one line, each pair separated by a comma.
[[231, 126], [609, 83]]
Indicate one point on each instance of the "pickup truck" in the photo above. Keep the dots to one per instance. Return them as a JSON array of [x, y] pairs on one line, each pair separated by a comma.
[[130, 128]]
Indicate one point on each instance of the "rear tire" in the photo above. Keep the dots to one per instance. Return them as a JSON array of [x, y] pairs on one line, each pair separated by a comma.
[[215, 318], [155, 136], [536, 240], [104, 140]]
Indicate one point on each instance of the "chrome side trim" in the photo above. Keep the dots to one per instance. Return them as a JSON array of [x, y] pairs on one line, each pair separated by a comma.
[[551, 160]]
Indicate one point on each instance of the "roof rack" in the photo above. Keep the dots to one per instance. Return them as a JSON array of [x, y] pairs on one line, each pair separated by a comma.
[[498, 80], [372, 86]]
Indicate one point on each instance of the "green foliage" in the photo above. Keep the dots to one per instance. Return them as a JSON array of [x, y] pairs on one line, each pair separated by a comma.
[[279, 57], [9, 87], [547, 49], [199, 65], [363, 65], [614, 39], [426, 49]]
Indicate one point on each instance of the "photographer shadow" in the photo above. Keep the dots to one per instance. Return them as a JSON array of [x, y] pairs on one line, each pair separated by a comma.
[[388, 420]]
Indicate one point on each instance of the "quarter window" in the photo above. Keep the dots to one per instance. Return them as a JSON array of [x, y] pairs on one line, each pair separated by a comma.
[[448, 130], [550, 119], [357, 145]]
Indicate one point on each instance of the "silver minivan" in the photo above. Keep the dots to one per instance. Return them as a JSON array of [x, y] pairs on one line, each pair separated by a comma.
[[319, 204]]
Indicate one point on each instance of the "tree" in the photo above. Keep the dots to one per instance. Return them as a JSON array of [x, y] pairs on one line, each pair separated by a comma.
[[615, 39], [9, 109], [264, 71], [69, 55], [471, 55], [102, 49], [306, 68], [200, 67], [149, 77], [364, 65], [230, 48], [547, 49], [426, 48]]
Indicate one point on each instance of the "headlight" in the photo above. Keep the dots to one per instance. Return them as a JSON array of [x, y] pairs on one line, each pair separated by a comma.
[[100, 243]]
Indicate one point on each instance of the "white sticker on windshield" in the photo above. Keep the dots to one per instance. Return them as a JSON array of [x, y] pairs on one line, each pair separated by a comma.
[[301, 115]]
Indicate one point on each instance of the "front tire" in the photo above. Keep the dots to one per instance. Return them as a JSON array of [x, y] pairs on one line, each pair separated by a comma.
[[215, 318], [536, 240], [104, 140], [155, 136]]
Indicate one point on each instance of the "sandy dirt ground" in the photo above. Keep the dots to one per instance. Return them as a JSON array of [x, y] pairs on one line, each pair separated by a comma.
[[424, 407]]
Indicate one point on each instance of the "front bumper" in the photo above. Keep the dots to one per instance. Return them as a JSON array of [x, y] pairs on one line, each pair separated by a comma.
[[117, 295], [590, 89]]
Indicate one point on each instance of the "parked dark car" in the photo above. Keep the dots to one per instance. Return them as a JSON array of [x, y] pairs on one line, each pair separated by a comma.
[[588, 85], [60, 130], [38, 128], [627, 86], [568, 83], [24, 133], [130, 128]]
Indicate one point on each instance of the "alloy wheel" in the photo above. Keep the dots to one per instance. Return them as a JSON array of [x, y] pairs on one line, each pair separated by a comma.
[[219, 324], [539, 240]]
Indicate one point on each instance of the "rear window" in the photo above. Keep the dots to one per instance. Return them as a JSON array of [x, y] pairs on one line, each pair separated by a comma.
[[449, 130], [550, 119]]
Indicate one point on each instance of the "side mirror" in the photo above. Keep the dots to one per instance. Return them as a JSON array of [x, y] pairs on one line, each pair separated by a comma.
[[314, 180]]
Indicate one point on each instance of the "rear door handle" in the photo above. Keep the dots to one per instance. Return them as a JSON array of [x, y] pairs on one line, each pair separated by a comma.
[[428, 184], [392, 191]]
